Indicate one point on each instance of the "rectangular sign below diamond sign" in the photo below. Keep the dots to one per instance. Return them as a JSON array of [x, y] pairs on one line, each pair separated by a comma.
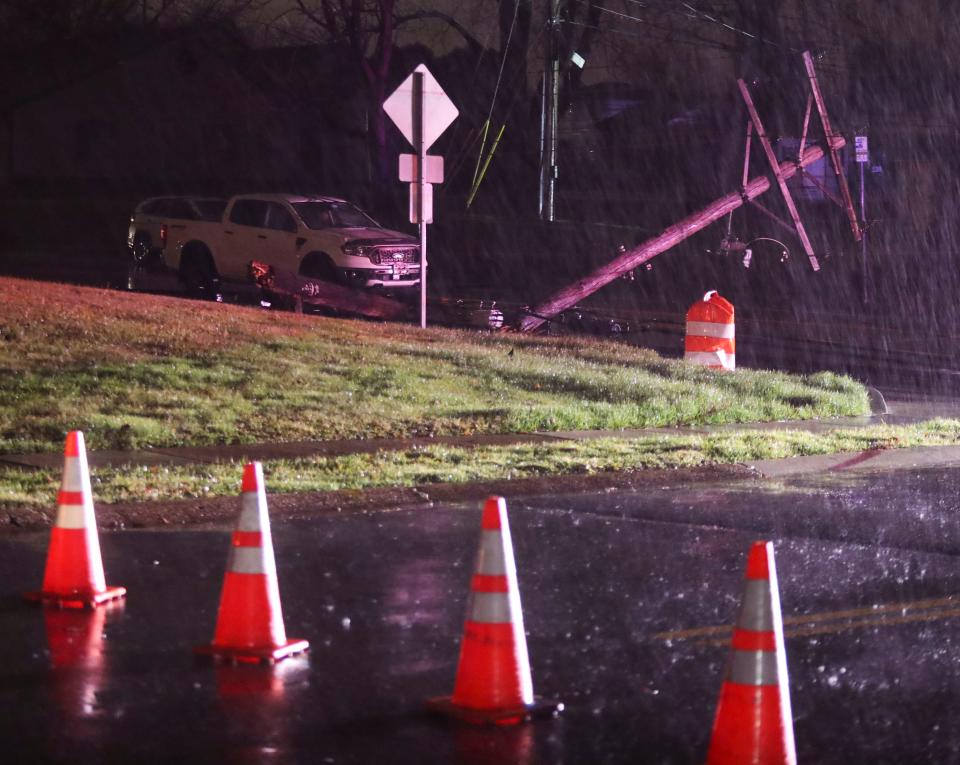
[[432, 168], [427, 203]]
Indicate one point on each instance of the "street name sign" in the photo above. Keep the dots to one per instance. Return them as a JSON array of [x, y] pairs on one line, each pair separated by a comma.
[[862, 148]]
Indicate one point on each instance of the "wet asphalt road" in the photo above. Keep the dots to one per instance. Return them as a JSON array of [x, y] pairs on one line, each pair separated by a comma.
[[625, 597]]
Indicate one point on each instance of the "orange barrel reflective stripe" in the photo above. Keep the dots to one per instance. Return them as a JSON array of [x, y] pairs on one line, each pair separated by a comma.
[[710, 333]]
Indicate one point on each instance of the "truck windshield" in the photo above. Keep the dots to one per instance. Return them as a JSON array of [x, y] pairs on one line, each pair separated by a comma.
[[319, 215]]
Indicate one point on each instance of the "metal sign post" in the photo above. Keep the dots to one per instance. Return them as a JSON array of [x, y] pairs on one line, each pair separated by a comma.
[[863, 157], [419, 146], [422, 111]]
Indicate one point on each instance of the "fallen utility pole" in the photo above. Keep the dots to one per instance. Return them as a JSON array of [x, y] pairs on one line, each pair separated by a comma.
[[574, 293]]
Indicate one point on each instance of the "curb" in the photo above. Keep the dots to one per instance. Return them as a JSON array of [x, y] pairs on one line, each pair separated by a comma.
[[870, 459]]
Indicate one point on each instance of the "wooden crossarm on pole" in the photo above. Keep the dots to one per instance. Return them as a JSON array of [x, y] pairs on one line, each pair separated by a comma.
[[834, 155], [772, 215], [781, 181], [826, 192], [746, 155], [806, 125]]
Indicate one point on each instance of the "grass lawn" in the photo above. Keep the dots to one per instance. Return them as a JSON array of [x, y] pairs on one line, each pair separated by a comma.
[[134, 371]]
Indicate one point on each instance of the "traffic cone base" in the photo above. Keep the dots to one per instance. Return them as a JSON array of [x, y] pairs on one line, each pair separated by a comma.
[[538, 710], [761, 707], [252, 654], [78, 599]]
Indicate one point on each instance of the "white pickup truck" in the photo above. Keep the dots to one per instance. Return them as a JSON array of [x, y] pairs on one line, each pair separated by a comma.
[[151, 223], [315, 236]]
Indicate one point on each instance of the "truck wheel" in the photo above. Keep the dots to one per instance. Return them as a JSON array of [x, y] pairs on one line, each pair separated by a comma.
[[136, 262], [318, 265], [200, 277], [141, 248]]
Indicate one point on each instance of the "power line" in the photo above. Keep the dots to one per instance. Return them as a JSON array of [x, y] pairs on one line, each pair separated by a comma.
[[503, 61], [695, 14], [697, 42], [670, 32], [706, 16]]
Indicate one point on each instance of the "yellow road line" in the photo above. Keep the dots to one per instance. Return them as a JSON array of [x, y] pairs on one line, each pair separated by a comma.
[[813, 624]]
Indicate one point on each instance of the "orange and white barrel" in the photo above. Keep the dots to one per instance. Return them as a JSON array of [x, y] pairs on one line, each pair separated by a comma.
[[710, 339]]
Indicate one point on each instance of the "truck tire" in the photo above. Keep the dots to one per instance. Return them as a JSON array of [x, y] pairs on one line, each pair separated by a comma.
[[199, 275], [141, 247], [319, 265], [136, 261]]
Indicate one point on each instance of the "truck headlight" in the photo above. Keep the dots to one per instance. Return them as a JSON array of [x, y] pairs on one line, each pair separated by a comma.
[[357, 250]]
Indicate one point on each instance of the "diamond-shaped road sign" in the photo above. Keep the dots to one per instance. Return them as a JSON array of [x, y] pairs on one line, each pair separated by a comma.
[[438, 109]]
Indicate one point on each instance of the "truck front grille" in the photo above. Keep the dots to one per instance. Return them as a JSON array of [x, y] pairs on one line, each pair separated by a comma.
[[387, 255]]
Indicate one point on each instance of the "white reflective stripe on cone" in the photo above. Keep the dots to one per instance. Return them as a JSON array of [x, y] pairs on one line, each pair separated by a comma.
[[247, 560], [249, 519], [490, 608], [71, 517], [718, 358], [754, 668], [711, 329], [73, 475], [755, 614], [490, 560]]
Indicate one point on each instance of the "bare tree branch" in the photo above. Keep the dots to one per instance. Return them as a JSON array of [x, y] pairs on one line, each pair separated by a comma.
[[472, 41]]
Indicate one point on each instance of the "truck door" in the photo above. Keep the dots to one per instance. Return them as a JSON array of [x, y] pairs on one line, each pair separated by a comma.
[[277, 243], [246, 222]]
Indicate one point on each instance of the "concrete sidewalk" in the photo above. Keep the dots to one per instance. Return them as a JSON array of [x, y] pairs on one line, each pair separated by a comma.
[[902, 411]]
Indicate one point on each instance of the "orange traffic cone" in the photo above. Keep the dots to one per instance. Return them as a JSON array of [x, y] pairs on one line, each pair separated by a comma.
[[493, 682], [250, 622], [74, 574], [753, 722]]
